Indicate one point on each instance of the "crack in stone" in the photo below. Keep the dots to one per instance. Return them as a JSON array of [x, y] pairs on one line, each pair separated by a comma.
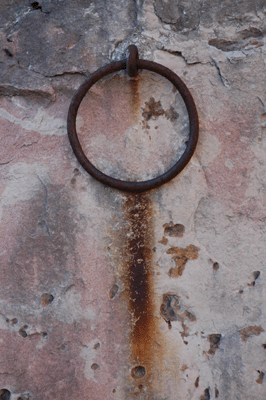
[[223, 79]]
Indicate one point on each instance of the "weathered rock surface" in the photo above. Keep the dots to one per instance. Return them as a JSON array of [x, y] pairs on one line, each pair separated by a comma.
[[76, 320]]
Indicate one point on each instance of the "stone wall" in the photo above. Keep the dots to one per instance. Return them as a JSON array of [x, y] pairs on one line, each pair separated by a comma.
[[72, 321]]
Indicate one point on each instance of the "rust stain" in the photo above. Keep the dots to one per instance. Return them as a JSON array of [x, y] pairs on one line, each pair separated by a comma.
[[260, 378], [184, 367], [181, 256], [249, 331], [163, 241], [153, 110], [169, 308], [176, 230], [147, 344], [139, 243], [135, 98], [148, 375], [214, 340]]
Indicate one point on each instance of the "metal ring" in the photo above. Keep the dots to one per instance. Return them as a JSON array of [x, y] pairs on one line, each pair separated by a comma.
[[133, 56], [127, 186]]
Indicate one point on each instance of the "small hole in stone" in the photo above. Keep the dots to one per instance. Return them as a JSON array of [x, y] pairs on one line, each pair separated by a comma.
[[46, 298], [44, 334], [138, 372], [22, 331], [241, 291], [95, 366], [206, 395], [263, 116], [113, 390], [96, 346], [35, 5], [14, 321], [62, 347], [264, 346], [256, 274], [5, 394], [8, 53], [216, 392], [113, 291], [216, 266], [197, 382], [141, 387]]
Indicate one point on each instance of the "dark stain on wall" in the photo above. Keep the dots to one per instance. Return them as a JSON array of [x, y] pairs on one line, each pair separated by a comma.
[[153, 110], [214, 340], [138, 255], [260, 378], [206, 395], [169, 308], [5, 394], [256, 275], [249, 331], [171, 229]]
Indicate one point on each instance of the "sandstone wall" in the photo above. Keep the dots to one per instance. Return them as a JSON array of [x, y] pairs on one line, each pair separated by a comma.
[[72, 323]]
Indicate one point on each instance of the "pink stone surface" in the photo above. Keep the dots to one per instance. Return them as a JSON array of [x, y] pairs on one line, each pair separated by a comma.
[[72, 322]]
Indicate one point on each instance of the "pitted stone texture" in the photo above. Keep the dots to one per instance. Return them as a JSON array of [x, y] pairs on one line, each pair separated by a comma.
[[63, 233], [186, 16], [82, 35]]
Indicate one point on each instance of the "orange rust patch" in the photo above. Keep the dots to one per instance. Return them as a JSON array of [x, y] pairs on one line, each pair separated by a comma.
[[260, 378], [185, 332], [181, 256], [163, 241], [249, 331]]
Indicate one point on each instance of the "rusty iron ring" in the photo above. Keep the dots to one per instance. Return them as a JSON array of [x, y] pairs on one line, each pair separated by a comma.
[[131, 65], [133, 56]]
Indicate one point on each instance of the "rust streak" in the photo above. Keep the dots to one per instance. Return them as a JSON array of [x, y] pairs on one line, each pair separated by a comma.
[[139, 263], [138, 245], [135, 98]]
